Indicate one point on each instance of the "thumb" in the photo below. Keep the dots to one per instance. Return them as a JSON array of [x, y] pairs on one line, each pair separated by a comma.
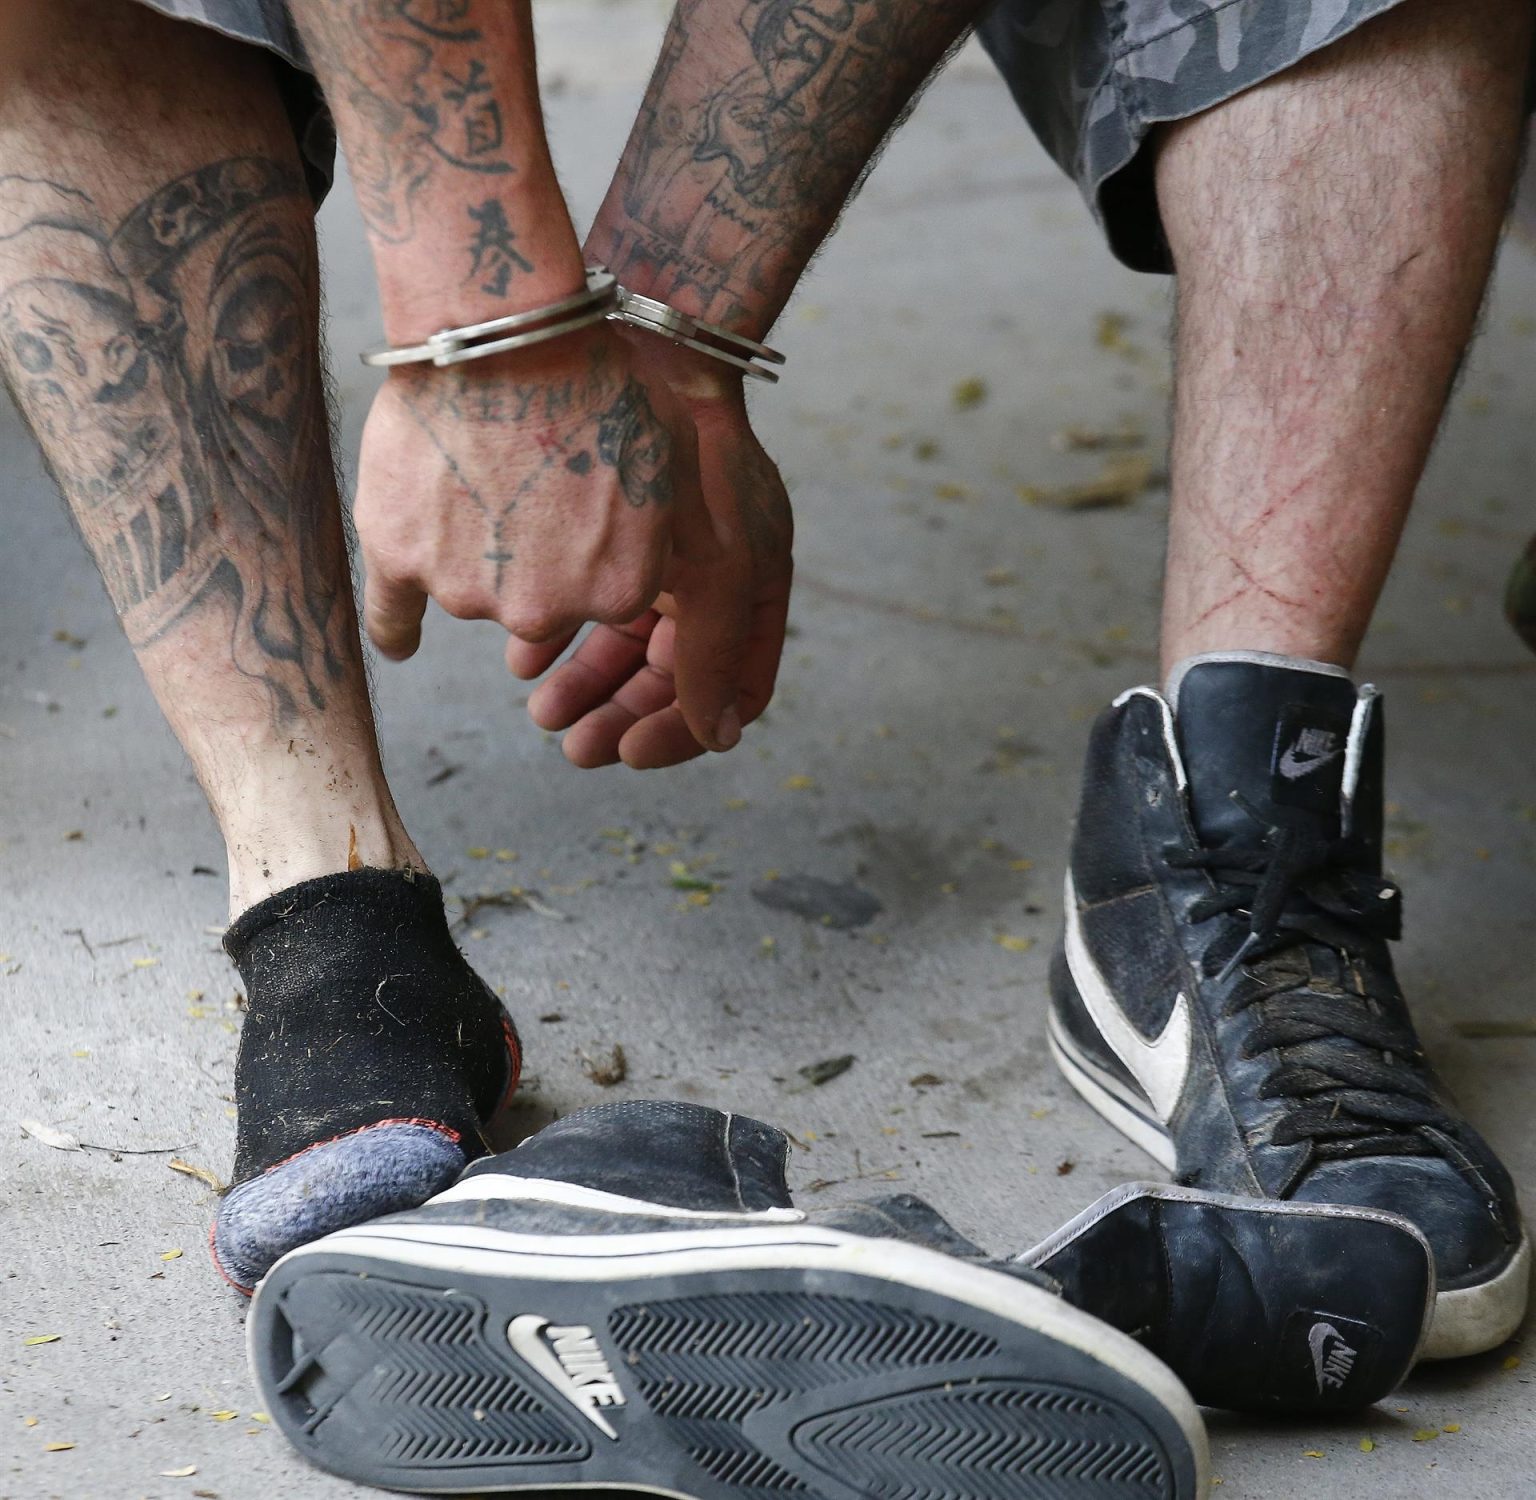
[[392, 611], [713, 615]]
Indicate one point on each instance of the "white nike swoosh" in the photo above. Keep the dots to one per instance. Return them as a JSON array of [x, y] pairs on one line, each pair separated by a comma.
[[1159, 1066], [1293, 766], [525, 1335]]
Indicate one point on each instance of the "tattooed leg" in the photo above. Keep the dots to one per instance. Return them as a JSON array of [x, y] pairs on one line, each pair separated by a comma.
[[1333, 232], [159, 328], [159, 325]]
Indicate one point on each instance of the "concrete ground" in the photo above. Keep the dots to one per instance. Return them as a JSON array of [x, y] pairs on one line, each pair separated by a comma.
[[951, 642]]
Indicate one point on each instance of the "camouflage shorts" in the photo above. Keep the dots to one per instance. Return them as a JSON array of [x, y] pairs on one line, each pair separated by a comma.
[[266, 23], [1094, 76]]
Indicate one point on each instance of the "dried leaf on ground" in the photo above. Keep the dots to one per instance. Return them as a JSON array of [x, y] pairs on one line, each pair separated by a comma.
[[1097, 439], [605, 1074], [516, 899], [1121, 482], [827, 1069], [60, 1140], [970, 393], [191, 1169]]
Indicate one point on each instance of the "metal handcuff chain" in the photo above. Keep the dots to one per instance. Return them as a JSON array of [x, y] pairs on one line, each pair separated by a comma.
[[734, 349]]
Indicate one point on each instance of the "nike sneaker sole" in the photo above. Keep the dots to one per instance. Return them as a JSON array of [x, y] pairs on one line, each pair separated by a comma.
[[719, 1363], [1466, 1320]]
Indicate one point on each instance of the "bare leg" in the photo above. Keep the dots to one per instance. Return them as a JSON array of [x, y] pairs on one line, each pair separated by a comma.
[[159, 310], [1333, 232]]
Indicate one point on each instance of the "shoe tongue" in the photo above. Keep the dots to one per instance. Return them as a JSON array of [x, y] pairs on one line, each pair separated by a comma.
[[1274, 732]]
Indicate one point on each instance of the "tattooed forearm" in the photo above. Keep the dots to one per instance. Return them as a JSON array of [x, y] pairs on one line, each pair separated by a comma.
[[759, 123], [167, 368], [415, 84]]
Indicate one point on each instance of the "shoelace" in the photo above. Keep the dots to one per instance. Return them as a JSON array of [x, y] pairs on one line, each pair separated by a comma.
[[1296, 887]]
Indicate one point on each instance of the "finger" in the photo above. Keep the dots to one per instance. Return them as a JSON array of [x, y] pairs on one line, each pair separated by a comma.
[[659, 740], [392, 613], [529, 661], [664, 739], [594, 739], [602, 664]]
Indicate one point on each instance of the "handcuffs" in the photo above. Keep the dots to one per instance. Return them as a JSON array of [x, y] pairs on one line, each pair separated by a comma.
[[602, 299]]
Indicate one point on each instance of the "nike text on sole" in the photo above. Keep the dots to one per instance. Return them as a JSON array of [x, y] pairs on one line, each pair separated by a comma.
[[713, 1364]]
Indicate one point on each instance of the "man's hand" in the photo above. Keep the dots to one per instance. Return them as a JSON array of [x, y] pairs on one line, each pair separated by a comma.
[[619, 693], [542, 494]]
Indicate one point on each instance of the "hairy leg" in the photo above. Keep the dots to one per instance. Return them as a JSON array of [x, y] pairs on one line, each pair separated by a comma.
[[1333, 232], [159, 328]]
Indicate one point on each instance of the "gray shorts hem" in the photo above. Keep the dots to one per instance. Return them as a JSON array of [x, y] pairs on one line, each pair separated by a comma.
[[1093, 90]]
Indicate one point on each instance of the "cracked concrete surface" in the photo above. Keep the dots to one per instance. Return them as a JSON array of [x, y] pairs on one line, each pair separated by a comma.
[[951, 643]]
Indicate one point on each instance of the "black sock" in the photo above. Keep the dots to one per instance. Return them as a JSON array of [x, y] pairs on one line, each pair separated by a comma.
[[371, 1059]]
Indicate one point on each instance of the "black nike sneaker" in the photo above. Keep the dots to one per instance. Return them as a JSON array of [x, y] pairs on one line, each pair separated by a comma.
[[1257, 1306], [1224, 993], [631, 1300]]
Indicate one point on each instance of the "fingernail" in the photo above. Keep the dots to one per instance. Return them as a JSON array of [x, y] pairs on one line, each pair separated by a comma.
[[728, 730]]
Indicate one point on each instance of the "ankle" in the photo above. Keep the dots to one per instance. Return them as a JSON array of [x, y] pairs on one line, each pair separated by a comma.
[[1336, 649], [280, 853]]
